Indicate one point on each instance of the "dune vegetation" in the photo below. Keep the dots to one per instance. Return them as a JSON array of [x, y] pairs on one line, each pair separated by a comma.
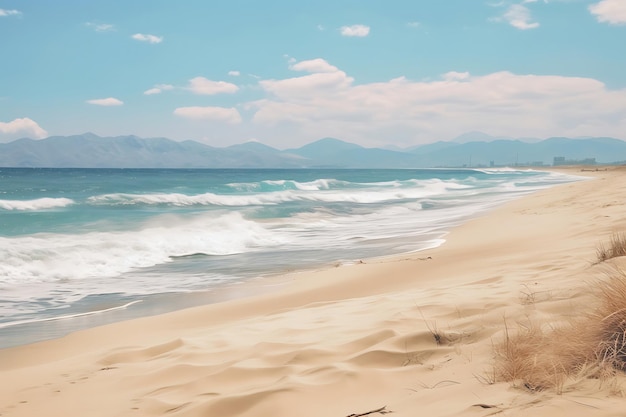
[[592, 344], [615, 248]]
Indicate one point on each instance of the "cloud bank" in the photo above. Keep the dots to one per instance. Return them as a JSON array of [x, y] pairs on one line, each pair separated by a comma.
[[218, 114], [327, 102], [20, 128]]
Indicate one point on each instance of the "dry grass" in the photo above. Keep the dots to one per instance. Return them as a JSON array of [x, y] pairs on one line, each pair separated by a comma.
[[590, 346], [616, 247], [610, 319], [537, 360]]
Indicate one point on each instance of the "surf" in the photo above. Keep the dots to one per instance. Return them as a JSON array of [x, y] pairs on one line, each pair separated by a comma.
[[36, 204]]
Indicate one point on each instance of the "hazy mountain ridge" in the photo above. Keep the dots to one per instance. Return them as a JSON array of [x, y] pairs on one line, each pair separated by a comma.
[[91, 151]]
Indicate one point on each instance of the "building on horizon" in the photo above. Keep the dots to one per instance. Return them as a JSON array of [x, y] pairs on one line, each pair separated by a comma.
[[560, 160]]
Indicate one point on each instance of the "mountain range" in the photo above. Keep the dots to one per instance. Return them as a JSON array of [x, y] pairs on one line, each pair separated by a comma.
[[91, 151]]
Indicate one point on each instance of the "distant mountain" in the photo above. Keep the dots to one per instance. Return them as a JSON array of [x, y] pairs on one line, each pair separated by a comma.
[[431, 147], [474, 137], [330, 152], [253, 147], [91, 151], [484, 137]]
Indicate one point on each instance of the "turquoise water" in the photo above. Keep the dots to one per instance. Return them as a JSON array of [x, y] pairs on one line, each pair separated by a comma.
[[70, 238]]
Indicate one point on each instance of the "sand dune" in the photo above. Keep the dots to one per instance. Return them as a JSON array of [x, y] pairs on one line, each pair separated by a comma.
[[411, 334]]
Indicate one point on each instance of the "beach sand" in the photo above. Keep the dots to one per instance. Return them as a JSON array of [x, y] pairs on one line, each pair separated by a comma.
[[414, 333]]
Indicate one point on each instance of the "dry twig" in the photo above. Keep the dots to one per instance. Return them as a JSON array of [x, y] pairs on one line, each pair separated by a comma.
[[381, 410]]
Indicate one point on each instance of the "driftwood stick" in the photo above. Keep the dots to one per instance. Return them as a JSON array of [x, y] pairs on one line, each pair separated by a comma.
[[381, 410], [485, 405]]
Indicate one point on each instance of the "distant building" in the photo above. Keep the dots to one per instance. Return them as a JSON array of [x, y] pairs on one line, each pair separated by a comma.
[[560, 160]]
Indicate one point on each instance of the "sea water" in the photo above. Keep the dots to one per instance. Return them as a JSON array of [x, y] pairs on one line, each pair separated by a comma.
[[86, 242]]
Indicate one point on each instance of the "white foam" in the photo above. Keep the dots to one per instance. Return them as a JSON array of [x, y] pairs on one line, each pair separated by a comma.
[[51, 271], [68, 316], [37, 204], [411, 190], [54, 257], [502, 170], [315, 185]]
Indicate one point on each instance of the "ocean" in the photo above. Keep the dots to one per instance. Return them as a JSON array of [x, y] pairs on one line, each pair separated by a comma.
[[83, 247]]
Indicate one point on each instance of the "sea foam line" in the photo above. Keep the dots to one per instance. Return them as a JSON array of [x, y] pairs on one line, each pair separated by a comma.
[[393, 192], [37, 204], [68, 316], [57, 257]]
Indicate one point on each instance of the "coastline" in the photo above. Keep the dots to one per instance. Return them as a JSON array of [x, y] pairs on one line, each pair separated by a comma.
[[348, 339], [52, 311]]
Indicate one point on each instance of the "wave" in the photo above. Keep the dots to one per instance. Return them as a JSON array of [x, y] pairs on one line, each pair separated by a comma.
[[54, 257], [34, 205], [503, 170], [376, 193], [48, 257], [280, 185], [289, 225]]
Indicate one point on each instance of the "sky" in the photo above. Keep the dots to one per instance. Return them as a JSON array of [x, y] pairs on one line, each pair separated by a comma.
[[288, 72]]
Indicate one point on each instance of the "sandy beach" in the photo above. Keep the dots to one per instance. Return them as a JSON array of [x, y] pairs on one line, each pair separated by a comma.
[[411, 335]]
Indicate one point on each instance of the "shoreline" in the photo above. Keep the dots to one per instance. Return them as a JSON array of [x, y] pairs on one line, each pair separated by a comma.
[[23, 333], [349, 339], [354, 231], [104, 309], [95, 310]]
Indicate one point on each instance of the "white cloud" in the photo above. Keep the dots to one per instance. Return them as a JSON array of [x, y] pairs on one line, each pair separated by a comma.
[[322, 77], [147, 38], [158, 89], [204, 86], [313, 66], [321, 104], [101, 27], [290, 59], [5, 12], [355, 30], [110, 101], [610, 11], [221, 114], [413, 24], [456, 76], [234, 73], [20, 128], [519, 17]]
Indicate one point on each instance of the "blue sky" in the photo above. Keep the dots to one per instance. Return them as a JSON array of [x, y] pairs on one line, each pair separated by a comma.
[[287, 72]]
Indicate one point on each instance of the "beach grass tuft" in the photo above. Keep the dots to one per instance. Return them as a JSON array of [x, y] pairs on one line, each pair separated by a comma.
[[615, 248], [591, 346], [536, 359], [610, 319]]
